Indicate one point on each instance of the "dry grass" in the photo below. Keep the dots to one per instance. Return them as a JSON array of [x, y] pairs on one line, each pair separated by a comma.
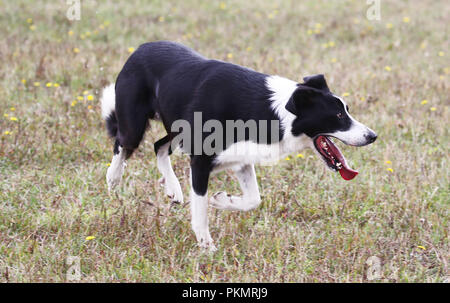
[[311, 226]]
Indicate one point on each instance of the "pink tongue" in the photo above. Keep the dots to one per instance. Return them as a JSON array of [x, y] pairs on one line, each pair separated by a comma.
[[347, 173]]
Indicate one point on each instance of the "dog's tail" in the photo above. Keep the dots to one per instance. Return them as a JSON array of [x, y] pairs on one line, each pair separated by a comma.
[[108, 100]]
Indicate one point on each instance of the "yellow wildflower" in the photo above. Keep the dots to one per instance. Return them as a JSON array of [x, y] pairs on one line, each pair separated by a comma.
[[24, 81], [249, 48], [421, 247], [55, 84], [30, 20], [90, 98], [433, 109], [300, 156], [85, 92], [346, 94], [390, 169], [13, 119], [406, 19], [309, 32], [223, 5], [7, 132], [389, 25], [333, 60], [12, 109], [37, 84], [70, 33], [32, 27], [76, 50], [287, 158], [131, 49], [161, 19], [5, 115], [73, 103], [90, 238], [89, 106], [49, 84], [80, 98], [441, 54], [388, 162], [424, 101], [387, 68], [229, 55]]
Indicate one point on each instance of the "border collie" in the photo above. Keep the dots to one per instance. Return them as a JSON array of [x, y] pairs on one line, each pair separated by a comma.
[[169, 82]]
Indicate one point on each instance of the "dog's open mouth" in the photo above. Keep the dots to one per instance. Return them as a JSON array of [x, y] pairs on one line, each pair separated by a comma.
[[333, 157]]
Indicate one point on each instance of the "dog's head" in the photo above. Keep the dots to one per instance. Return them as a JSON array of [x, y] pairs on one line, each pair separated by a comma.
[[321, 115]]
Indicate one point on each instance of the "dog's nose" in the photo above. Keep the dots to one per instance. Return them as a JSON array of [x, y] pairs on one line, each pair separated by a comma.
[[371, 137]]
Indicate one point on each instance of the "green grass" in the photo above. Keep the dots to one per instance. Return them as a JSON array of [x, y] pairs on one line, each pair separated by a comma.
[[311, 226]]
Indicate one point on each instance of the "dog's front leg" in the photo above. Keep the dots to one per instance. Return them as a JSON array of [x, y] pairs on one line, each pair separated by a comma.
[[250, 193], [199, 203]]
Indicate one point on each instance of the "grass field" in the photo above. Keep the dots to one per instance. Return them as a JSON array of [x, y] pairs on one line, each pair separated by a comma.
[[391, 223]]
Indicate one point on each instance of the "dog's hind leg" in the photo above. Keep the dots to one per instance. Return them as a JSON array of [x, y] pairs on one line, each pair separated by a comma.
[[126, 109], [117, 166], [169, 179], [250, 193]]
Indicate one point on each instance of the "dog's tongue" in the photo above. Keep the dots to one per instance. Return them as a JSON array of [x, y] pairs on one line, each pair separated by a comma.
[[347, 173]]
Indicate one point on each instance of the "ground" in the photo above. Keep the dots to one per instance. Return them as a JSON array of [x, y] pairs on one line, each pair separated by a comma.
[[388, 224]]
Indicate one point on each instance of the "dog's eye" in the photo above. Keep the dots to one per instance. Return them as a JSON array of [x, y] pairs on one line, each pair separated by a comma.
[[340, 115]]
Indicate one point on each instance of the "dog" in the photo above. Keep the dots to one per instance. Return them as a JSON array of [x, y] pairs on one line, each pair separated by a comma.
[[169, 82]]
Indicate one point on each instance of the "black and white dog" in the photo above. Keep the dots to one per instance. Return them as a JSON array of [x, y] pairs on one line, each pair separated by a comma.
[[169, 82]]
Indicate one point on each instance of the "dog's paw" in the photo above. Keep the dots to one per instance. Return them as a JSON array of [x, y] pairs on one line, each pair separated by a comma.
[[221, 200], [207, 245], [113, 177], [172, 190]]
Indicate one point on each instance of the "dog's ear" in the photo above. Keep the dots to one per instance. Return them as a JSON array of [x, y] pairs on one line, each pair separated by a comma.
[[316, 81], [301, 98]]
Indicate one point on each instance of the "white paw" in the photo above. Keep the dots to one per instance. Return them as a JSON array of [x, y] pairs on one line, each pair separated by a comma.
[[220, 200], [172, 189], [204, 240], [207, 244], [209, 247], [114, 176]]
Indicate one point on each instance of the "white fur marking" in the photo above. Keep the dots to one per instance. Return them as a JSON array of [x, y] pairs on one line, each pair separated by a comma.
[[250, 193], [282, 89], [115, 170], [171, 184], [108, 100], [357, 133], [199, 221]]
